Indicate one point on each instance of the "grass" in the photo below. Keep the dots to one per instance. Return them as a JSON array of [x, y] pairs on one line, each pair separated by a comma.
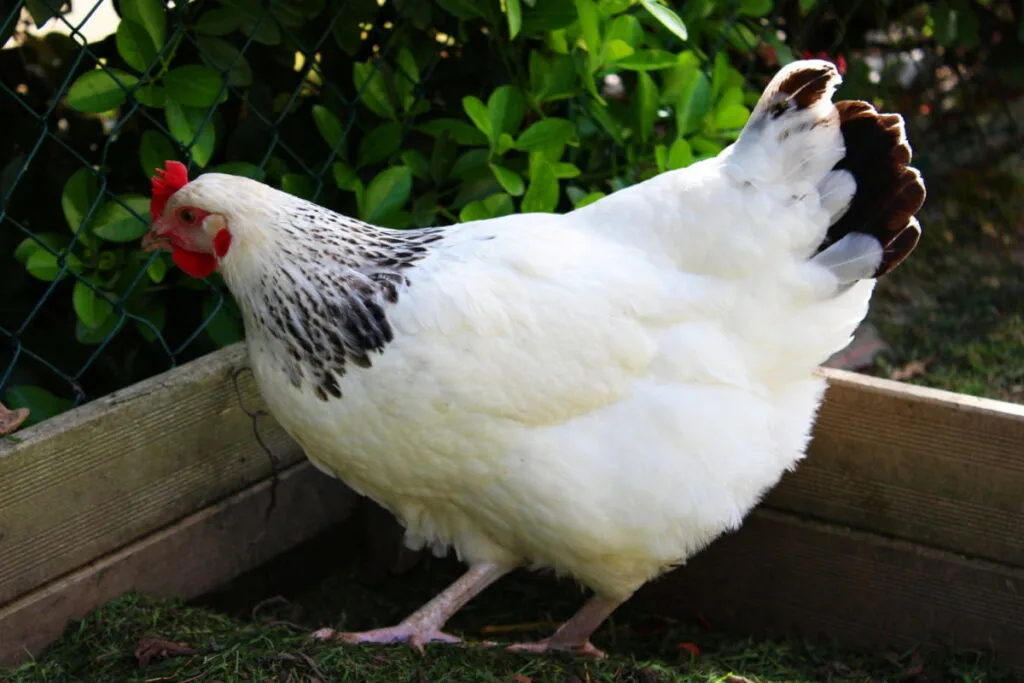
[[953, 313], [256, 628]]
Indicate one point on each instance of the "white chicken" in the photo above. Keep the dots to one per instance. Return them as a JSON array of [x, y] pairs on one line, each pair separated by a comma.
[[601, 393]]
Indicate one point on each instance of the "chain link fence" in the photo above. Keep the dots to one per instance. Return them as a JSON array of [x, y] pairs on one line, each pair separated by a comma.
[[404, 113]]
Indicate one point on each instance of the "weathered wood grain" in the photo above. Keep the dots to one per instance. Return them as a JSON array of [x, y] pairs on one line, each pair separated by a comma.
[[91, 480], [184, 560], [780, 574], [941, 469]]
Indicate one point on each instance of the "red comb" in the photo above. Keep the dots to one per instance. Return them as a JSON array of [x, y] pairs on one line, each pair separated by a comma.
[[165, 183]]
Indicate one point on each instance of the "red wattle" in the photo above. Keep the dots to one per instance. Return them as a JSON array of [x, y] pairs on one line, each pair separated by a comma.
[[221, 242], [193, 263]]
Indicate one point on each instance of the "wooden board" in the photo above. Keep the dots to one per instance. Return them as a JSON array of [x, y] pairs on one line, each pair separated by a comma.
[[91, 480], [942, 469], [780, 574], [187, 559]]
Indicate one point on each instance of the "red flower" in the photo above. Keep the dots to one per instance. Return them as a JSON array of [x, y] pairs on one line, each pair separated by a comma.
[[839, 61]]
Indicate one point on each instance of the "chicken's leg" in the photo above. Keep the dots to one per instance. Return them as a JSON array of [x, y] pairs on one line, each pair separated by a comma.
[[424, 625], [574, 635]]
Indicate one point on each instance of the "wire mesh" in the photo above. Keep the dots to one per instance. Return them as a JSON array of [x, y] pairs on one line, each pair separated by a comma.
[[302, 93]]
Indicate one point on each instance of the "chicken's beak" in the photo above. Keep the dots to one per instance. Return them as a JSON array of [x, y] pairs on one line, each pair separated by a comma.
[[155, 239]]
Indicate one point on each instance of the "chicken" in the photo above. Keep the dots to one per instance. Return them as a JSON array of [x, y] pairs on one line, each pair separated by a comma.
[[601, 393]]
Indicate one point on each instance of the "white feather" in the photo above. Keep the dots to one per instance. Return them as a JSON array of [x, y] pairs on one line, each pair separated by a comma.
[[603, 392]]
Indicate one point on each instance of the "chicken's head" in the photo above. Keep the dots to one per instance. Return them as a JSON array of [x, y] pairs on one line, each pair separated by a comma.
[[196, 236], [203, 221]]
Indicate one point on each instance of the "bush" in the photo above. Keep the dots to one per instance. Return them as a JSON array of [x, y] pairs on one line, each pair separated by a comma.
[[402, 113]]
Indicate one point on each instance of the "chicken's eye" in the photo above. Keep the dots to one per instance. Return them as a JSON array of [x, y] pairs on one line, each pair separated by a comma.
[[187, 216]]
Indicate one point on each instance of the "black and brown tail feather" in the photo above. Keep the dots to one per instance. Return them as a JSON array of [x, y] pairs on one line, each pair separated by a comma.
[[889, 192]]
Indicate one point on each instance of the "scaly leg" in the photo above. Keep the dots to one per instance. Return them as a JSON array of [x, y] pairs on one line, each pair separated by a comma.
[[424, 625], [574, 635]]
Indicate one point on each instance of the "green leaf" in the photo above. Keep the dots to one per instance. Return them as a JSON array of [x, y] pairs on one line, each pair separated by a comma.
[[152, 320], [298, 185], [731, 117], [379, 144], [329, 126], [407, 77], [154, 150], [515, 17], [42, 265], [589, 199], [548, 15], [498, 204], [443, 156], [755, 8], [41, 404], [344, 176], [626, 28], [648, 60], [719, 75], [679, 155], [185, 123], [545, 134], [151, 95], [241, 168], [510, 180], [193, 85], [91, 336], [461, 132], [219, 21], [694, 104], [91, 308], [646, 103], [666, 17], [607, 121], [806, 6], [478, 114], [100, 90], [226, 59], [417, 163], [150, 14], [614, 51], [542, 195], [28, 246], [387, 193], [372, 90], [565, 170], [115, 223], [262, 29], [223, 328], [157, 269], [505, 110], [470, 164], [135, 45], [590, 27], [80, 191]]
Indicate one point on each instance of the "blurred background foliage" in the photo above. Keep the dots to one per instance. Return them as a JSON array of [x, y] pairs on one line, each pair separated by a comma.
[[423, 112]]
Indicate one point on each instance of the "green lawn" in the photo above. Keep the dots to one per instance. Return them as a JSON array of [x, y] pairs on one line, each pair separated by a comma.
[[953, 313], [241, 635]]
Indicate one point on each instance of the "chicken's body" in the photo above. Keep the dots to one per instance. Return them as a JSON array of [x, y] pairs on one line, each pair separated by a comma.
[[602, 392]]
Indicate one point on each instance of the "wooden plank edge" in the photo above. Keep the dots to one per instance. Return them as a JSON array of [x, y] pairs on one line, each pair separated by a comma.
[[184, 560], [211, 365], [955, 401], [782, 575]]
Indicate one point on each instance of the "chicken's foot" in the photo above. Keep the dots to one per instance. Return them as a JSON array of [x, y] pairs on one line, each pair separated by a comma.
[[424, 625], [574, 635]]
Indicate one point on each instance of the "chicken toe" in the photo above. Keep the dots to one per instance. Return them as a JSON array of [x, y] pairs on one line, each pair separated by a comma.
[[424, 625]]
